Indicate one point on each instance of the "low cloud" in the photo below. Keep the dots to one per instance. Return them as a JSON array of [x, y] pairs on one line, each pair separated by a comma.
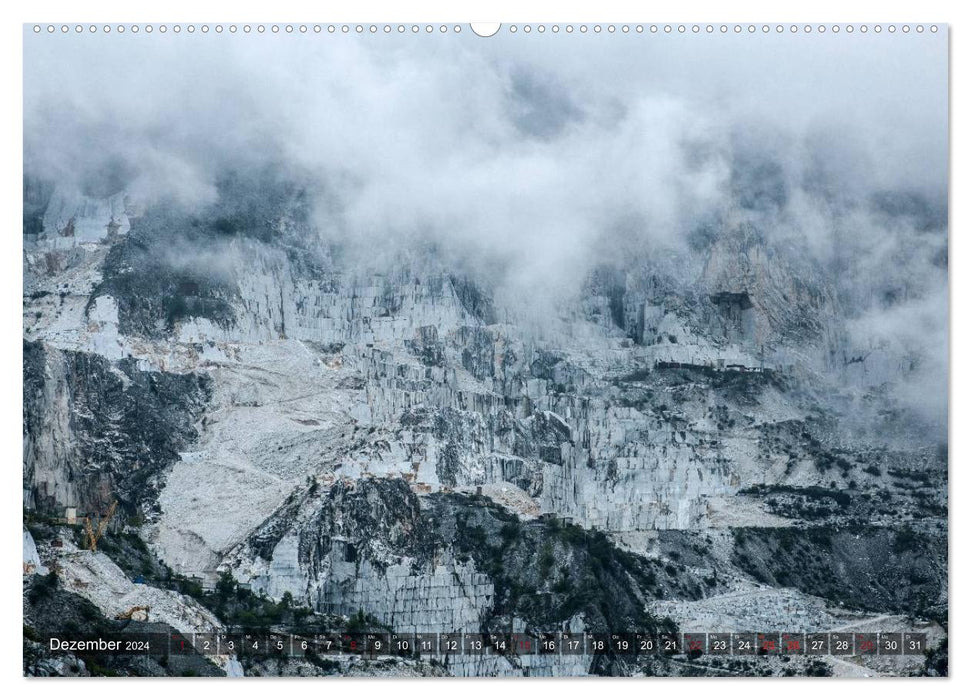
[[527, 155]]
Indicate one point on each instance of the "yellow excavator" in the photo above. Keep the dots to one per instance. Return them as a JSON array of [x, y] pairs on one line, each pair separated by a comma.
[[92, 536]]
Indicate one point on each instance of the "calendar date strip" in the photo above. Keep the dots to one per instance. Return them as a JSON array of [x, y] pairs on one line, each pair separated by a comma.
[[442, 644]]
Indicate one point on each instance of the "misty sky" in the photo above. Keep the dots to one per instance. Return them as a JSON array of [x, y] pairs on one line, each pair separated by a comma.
[[514, 113]]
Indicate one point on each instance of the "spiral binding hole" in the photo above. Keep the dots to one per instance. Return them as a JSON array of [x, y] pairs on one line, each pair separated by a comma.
[[512, 29]]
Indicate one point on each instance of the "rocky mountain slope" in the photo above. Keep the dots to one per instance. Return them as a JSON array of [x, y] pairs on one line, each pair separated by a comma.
[[399, 441]]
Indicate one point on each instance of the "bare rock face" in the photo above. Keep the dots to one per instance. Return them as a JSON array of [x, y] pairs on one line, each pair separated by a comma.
[[390, 438], [790, 300], [445, 562], [97, 431]]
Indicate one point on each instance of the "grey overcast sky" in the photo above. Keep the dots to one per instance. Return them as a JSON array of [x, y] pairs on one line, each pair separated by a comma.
[[434, 93], [514, 139]]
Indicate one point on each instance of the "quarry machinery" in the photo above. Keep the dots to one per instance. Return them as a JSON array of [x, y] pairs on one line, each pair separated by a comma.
[[128, 614], [92, 536]]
